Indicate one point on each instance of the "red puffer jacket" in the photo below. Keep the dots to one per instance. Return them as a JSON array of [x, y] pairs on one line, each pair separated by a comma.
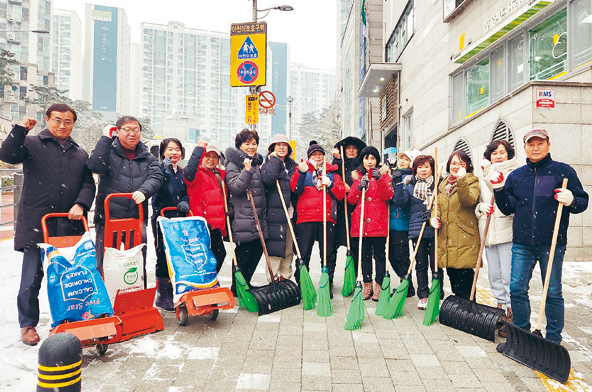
[[376, 206], [310, 199], [204, 191]]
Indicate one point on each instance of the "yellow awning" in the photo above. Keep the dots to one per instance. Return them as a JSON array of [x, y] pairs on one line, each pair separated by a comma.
[[487, 41]]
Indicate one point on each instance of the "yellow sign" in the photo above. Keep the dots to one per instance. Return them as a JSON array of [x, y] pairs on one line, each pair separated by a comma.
[[252, 112], [248, 54], [293, 144]]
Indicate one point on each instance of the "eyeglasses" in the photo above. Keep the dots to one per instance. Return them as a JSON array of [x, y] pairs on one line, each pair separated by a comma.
[[130, 130], [67, 123]]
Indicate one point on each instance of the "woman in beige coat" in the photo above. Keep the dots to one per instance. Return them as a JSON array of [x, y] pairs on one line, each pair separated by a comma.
[[498, 157], [458, 234]]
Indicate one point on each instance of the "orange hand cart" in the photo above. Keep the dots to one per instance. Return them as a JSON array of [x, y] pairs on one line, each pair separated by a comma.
[[133, 312], [201, 302], [97, 332]]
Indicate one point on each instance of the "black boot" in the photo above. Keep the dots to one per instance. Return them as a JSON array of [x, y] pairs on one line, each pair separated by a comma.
[[164, 294], [411, 291]]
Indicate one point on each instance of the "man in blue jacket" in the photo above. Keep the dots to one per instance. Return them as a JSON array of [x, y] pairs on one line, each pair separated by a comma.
[[531, 193]]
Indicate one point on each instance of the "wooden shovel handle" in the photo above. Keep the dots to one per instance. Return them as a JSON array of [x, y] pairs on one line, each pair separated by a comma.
[[422, 229], [361, 235], [288, 219], [261, 238], [232, 246], [481, 247], [551, 257], [324, 213], [436, 179], [345, 199]]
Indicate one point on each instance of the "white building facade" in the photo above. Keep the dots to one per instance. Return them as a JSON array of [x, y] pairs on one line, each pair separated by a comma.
[[312, 91], [186, 86], [67, 52], [459, 74]]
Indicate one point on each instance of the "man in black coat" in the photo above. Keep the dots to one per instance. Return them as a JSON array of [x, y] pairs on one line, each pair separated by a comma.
[[56, 179], [124, 165]]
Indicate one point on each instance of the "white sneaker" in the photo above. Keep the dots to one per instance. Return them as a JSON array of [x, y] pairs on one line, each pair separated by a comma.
[[423, 303]]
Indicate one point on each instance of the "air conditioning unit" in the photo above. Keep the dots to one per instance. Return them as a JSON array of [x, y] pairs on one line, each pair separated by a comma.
[[10, 16], [11, 36]]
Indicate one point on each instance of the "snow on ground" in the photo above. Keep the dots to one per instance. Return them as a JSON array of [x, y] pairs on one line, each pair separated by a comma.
[[18, 362]]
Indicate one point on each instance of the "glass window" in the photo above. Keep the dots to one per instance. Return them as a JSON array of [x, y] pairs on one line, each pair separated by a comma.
[[477, 87], [497, 74], [407, 131], [516, 62], [582, 32], [458, 97], [548, 47]]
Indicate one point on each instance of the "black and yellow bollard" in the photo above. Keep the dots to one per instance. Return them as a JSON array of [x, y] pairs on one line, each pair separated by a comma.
[[60, 359]]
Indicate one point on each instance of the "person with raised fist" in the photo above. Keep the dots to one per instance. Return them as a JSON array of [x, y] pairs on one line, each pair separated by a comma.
[[124, 165], [458, 229], [376, 181], [498, 158], [56, 179], [532, 193]]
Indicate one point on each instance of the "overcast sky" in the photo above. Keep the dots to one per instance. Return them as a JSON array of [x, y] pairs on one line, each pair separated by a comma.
[[310, 30]]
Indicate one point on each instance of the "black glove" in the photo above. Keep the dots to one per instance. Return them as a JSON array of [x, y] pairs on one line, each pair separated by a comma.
[[183, 206], [426, 215], [376, 174], [397, 177], [230, 213], [168, 165], [363, 184]]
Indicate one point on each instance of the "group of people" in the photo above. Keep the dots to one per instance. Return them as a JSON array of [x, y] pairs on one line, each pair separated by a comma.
[[366, 204]]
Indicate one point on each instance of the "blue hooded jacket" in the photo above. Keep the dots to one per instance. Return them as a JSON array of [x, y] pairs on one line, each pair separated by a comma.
[[399, 215]]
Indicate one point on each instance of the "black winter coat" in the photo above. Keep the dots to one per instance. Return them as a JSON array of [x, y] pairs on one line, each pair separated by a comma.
[[403, 197], [171, 193], [55, 178], [120, 175], [350, 166], [238, 181], [274, 169]]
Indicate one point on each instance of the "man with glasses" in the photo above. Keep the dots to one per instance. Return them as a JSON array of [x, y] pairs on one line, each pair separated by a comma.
[[56, 179], [124, 165]]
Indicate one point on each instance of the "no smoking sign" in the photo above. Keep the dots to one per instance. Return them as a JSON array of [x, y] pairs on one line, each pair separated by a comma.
[[266, 99]]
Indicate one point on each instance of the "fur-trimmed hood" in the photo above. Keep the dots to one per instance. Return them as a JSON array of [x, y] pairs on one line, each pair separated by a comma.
[[288, 161], [359, 173], [237, 157]]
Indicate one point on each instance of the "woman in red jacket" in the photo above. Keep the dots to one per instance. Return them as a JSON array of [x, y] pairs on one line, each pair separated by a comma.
[[307, 183], [379, 192], [204, 180]]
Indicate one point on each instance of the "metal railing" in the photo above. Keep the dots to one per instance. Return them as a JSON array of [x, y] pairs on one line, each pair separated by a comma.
[[10, 195]]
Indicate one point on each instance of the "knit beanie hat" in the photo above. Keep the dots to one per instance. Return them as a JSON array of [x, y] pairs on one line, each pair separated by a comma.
[[371, 150], [314, 146]]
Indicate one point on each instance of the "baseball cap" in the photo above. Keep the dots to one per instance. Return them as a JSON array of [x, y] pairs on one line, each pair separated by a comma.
[[535, 133], [211, 147]]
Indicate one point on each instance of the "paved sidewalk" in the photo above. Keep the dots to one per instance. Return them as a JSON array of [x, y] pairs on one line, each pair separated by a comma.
[[293, 350]]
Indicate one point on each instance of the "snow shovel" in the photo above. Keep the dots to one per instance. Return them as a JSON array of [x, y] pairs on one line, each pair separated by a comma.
[[467, 315], [307, 289], [349, 278], [276, 295], [530, 348]]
